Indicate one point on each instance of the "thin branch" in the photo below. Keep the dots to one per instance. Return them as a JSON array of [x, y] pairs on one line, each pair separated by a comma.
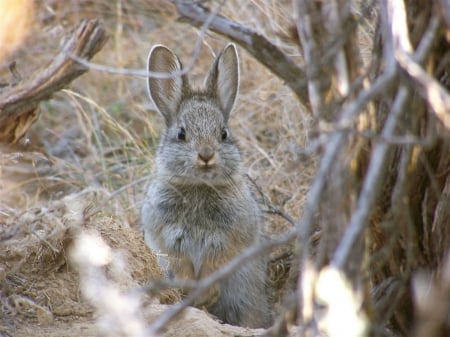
[[437, 97], [310, 36], [125, 71], [271, 208], [327, 49], [276, 211], [256, 44], [429, 88]]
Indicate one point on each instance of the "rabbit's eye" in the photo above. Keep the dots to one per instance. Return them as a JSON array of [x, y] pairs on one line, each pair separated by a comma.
[[224, 134], [182, 134]]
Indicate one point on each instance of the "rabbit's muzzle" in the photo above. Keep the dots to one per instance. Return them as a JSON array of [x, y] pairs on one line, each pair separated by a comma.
[[206, 157]]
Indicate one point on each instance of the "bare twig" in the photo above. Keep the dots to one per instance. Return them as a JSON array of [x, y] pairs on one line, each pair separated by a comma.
[[127, 71], [437, 97], [256, 44], [311, 38], [276, 211], [340, 13], [332, 58], [271, 208], [19, 104]]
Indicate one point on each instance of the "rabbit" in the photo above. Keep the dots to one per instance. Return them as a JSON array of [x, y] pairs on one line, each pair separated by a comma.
[[199, 209]]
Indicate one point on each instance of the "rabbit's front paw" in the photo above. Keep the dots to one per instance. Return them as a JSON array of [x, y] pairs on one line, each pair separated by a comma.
[[209, 298]]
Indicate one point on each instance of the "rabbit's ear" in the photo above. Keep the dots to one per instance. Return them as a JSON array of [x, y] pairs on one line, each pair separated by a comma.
[[166, 93], [223, 79]]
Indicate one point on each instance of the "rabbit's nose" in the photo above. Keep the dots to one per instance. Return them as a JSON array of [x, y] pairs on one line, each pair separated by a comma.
[[206, 156]]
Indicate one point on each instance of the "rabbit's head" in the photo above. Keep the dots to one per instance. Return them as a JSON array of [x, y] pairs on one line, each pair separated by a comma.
[[197, 146]]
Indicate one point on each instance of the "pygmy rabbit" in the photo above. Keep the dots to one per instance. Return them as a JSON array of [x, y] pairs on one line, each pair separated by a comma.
[[199, 208]]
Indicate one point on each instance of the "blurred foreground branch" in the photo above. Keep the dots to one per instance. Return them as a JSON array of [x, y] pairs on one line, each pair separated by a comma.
[[376, 170], [19, 103]]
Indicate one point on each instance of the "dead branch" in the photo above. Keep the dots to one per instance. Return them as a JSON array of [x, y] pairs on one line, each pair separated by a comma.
[[311, 36], [430, 89], [375, 174], [437, 97], [256, 44], [19, 104]]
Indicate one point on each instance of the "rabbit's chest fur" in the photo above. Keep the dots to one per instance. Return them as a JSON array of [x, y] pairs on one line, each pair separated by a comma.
[[201, 223]]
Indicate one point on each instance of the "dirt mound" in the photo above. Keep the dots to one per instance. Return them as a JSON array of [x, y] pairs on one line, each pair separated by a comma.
[[192, 322], [39, 283]]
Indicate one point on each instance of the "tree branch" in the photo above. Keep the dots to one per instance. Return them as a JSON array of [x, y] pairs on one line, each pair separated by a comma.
[[311, 36], [256, 44], [19, 104], [437, 97]]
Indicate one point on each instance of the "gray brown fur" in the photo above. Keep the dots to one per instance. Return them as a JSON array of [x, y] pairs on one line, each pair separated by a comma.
[[199, 208]]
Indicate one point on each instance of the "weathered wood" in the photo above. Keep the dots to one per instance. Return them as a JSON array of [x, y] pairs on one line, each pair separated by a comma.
[[19, 103]]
